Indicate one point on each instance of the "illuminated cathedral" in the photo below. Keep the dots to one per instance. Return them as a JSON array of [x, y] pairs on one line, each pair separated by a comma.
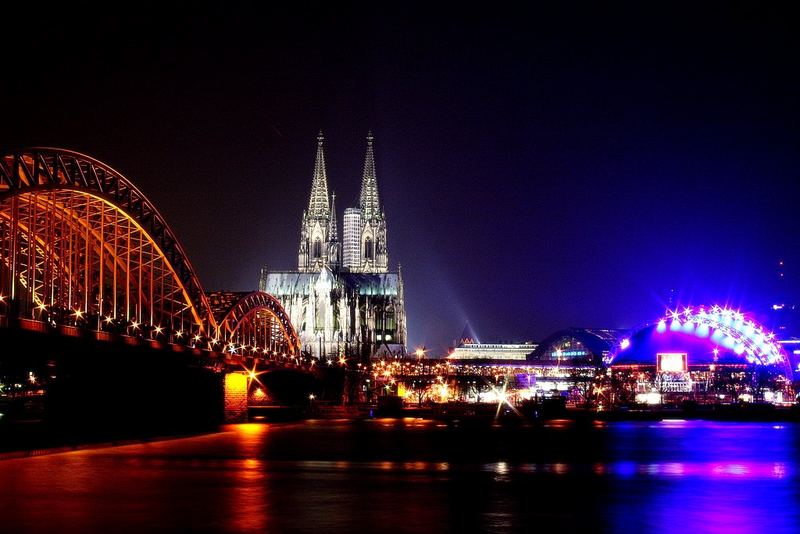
[[343, 299]]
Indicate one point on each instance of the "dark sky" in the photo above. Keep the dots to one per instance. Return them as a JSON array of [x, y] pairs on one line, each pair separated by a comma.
[[540, 167]]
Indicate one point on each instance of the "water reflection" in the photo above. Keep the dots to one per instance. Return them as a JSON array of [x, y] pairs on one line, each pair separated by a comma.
[[414, 475], [718, 478]]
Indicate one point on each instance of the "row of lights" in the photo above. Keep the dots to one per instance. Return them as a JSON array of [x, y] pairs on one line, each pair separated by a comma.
[[159, 330]]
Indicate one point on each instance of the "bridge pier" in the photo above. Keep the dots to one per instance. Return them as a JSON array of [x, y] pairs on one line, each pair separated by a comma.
[[235, 395]]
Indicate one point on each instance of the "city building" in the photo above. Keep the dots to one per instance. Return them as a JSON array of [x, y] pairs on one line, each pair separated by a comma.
[[703, 355], [506, 352], [706, 355], [343, 299], [580, 345]]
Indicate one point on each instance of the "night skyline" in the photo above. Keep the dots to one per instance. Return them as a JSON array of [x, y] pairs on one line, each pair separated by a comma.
[[539, 169]]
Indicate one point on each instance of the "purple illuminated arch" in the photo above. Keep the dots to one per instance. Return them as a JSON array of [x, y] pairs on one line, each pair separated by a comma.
[[727, 328]]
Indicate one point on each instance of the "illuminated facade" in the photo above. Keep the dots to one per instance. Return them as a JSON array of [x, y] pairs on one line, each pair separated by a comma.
[[342, 298], [586, 345], [707, 355], [351, 236], [492, 351]]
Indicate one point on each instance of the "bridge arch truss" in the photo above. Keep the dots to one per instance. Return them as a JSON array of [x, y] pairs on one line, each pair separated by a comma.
[[81, 245], [254, 323]]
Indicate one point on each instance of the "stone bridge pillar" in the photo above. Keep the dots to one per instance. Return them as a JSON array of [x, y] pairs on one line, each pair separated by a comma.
[[236, 398]]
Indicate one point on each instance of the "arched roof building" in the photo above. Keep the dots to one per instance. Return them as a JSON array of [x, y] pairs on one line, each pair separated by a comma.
[[585, 346], [698, 338]]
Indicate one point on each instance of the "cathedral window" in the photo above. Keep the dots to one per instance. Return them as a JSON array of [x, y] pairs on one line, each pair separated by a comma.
[[368, 252], [317, 253], [390, 324]]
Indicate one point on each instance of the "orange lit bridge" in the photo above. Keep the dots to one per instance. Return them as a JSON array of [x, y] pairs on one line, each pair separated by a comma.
[[89, 266]]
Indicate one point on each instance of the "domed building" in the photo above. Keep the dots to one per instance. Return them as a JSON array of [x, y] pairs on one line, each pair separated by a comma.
[[704, 355]]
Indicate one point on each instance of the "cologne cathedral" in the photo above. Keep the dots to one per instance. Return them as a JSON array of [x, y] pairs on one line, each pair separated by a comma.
[[343, 299]]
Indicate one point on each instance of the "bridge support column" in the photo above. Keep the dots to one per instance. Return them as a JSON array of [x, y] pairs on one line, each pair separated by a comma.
[[235, 398]]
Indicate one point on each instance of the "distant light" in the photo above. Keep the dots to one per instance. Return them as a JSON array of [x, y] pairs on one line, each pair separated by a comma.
[[78, 314], [311, 396], [648, 398], [625, 344], [662, 326]]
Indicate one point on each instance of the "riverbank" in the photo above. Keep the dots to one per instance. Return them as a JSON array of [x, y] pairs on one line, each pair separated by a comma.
[[543, 412], [34, 438]]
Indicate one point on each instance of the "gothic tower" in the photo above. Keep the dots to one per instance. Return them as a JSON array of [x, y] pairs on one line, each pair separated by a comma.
[[315, 232], [374, 254], [343, 299], [334, 248]]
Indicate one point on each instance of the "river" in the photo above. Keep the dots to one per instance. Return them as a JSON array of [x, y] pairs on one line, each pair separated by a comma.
[[414, 475]]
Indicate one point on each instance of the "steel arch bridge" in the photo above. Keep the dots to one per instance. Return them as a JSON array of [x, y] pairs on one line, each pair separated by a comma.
[[254, 323], [81, 245]]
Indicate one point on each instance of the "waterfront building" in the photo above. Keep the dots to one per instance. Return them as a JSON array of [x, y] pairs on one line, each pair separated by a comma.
[[705, 355], [343, 299], [580, 345], [506, 352]]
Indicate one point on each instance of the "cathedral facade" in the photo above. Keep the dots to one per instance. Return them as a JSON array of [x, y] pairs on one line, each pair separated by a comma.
[[343, 300]]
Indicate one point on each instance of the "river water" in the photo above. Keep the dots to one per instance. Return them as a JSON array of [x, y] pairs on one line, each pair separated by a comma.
[[411, 475]]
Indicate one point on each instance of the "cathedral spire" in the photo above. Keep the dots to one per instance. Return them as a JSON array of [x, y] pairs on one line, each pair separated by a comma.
[[333, 232], [369, 203], [334, 249], [318, 206]]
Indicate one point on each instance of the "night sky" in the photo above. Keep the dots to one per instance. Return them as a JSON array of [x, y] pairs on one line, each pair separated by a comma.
[[539, 169]]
